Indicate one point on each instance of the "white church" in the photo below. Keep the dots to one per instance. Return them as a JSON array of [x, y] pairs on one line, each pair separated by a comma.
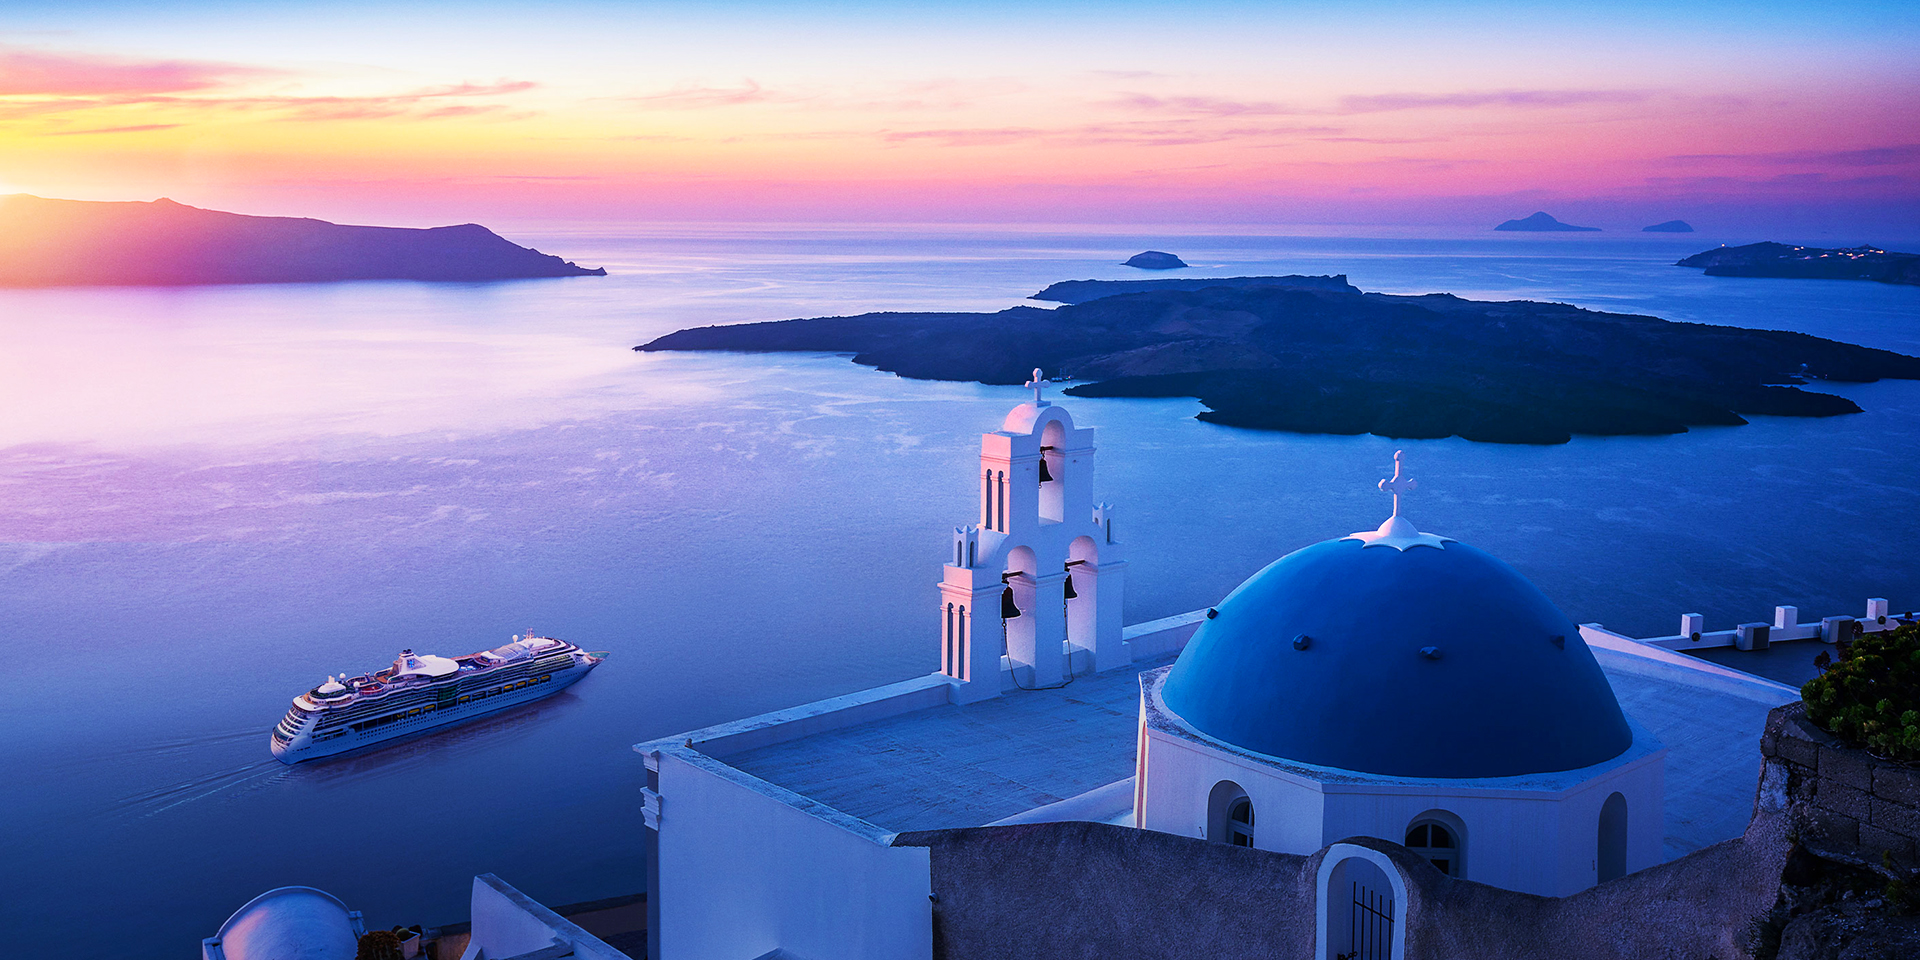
[[1369, 739]]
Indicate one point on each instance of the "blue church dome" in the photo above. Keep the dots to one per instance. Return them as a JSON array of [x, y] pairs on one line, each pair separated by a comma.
[[1401, 654]]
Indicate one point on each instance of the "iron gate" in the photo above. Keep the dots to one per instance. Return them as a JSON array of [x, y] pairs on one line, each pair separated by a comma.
[[1371, 926]]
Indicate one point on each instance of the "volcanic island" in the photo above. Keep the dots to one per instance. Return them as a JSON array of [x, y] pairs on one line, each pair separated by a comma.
[[1314, 354]]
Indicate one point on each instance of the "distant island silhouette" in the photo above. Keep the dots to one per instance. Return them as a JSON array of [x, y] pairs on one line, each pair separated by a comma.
[[1670, 226], [1808, 263], [1542, 222], [1317, 355], [84, 243], [1155, 260], [1080, 291]]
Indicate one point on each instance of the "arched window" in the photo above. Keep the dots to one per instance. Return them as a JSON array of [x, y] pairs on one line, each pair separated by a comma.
[[1001, 479], [1438, 843], [1240, 823], [1229, 815], [1611, 863], [953, 644]]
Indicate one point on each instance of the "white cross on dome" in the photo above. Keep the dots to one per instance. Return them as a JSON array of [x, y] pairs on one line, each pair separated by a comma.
[[1398, 485]]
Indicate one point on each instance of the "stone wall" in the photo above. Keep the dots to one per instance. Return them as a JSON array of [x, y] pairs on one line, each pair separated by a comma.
[[1847, 805], [1081, 891], [1093, 891]]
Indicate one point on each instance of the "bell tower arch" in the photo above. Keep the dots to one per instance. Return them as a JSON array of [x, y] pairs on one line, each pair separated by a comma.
[[1031, 593]]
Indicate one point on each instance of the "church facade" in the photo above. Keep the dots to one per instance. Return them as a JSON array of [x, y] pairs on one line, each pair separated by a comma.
[[1377, 711]]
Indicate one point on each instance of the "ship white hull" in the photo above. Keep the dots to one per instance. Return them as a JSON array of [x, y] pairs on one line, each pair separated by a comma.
[[310, 744]]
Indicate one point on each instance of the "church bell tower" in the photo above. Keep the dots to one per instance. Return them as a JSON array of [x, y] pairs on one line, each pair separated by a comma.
[[1031, 593]]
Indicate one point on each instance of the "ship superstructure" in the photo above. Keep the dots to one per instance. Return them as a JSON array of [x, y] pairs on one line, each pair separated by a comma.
[[422, 692]]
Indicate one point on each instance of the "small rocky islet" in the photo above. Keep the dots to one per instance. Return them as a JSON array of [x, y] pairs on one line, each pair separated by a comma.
[[1543, 222], [1155, 260], [1314, 354]]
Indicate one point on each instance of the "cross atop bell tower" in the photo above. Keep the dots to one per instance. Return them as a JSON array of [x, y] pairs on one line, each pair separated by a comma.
[[1035, 384]]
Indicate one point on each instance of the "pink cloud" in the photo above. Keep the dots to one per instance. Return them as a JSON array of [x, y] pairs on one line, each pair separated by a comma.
[[1894, 155], [452, 100], [694, 96], [1202, 106], [1172, 133], [974, 137], [1381, 103], [136, 128], [418, 102], [36, 73]]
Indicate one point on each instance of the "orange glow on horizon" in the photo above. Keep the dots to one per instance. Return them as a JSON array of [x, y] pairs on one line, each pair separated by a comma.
[[1313, 135]]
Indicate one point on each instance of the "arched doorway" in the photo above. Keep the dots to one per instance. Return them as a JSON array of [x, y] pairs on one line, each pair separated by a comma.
[[1360, 915], [1612, 858]]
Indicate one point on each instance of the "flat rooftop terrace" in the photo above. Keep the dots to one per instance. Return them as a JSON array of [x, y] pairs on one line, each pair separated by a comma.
[[958, 766]]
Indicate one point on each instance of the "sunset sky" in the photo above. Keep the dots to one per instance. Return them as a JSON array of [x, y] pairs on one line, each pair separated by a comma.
[[1743, 115]]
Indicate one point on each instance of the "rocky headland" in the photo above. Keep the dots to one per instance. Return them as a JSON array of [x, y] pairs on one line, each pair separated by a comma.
[[1317, 355], [1542, 222], [84, 243], [1808, 263]]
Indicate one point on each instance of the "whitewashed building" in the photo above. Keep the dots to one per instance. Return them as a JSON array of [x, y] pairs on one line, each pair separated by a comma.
[[1401, 685], [1377, 700]]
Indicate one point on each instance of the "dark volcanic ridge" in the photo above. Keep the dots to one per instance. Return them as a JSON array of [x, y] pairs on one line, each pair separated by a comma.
[[1542, 222], [83, 243], [1808, 263], [1316, 355]]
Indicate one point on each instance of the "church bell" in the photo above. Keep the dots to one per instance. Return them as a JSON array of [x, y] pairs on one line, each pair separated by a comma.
[[1007, 609], [1046, 476], [1070, 594]]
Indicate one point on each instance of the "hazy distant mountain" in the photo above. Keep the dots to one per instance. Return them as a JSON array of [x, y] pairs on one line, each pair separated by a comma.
[[1671, 226], [1155, 260], [1808, 263], [81, 243], [1316, 355], [1543, 223]]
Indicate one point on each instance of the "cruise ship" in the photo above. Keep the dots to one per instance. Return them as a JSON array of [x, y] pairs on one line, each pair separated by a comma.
[[422, 692]]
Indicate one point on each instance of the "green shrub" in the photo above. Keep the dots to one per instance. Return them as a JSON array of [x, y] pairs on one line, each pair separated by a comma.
[[379, 945], [1871, 697]]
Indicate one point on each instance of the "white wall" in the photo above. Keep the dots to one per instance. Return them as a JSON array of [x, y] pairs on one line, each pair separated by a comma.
[[1177, 777], [1157, 638], [1543, 842], [1536, 834], [508, 923], [747, 867]]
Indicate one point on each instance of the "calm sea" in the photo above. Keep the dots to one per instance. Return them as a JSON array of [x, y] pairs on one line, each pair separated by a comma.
[[212, 498]]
